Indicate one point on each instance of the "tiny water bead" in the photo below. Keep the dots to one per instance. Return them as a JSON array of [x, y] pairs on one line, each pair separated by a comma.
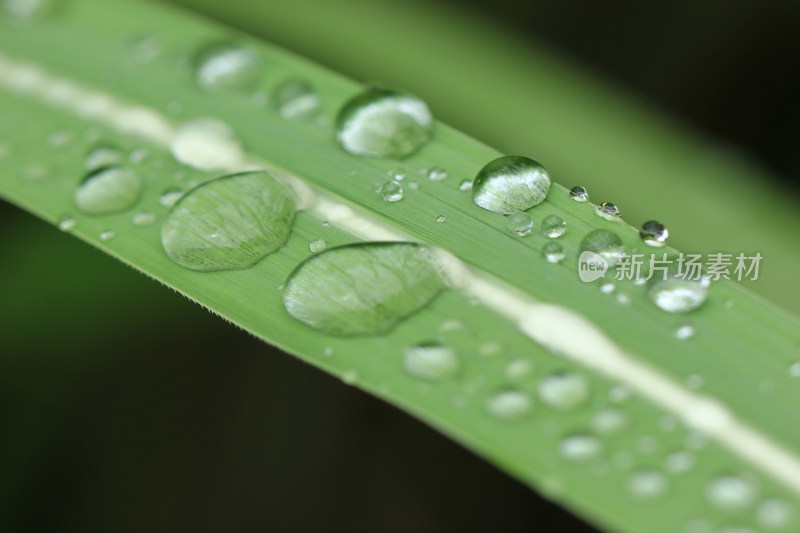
[[170, 196], [295, 99], [144, 218], [226, 66], [431, 361], [519, 223], [207, 144], [608, 211], [553, 226], [579, 194], [102, 156], [607, 288], [317, 245], [794, 369], [731, 493], [107, 235], [384, 123], [678, 295], [519, 369], [647, 484], [564, 390], [437, 174], [362, 289], [580, 447], [684, 332], [391, 191], [679, 462], [509, 184], [229, 223], [774, 514], [441, 219], [553, 252], [108, 190], [654, 233], [509, 405], [604, 243], [66, 223], [609, 421], [465, 185]]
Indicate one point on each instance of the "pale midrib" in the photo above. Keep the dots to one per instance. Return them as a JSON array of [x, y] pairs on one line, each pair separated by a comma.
[[560, 330]]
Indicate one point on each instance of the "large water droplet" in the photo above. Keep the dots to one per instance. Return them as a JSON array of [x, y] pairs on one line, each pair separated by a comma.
[[553, 226], [579, 194], [295, 99], [654, 233], [774, 514], [731, 492], [226, 66], [608, 211], [383, 123], [108, 190], [431, 361], [363, 289], [519, 223], [678, 295], [580, 447], [229, 223], [604, 243], [647, 484], [207, 144], [509, 404], [510, 184], [564, 390]]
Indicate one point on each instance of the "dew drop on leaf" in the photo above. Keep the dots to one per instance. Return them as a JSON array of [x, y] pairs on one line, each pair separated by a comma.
[[509, 405], [108, 190], [102, 156], [553, 226], [654, 234], [553, 252], [509, 184], [317, 245], [731, 492], [677, 294], [604, 243], [579, 194], [647, 484], [391, 191], [580, 447], [519, 223], [144, 218], [226, 66], [431, 361], [170, 196], [207, 144], [564, 390], [295, 99]]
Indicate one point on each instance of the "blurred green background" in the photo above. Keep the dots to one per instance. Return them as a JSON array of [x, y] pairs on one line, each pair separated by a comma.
[[126, 408]]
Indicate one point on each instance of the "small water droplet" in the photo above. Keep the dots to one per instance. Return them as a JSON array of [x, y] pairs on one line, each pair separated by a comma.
[[774, 514], [731, 492], [609, 421], [465, 185], [607, 288], [437, 174], [654, 233], [509, 404], [66, 223], [350, 377], [553, 252], [207, 144], [519, 223], [229, 223], [678, 295], [226, 66], [102, 156], [623, 299], [608, 211], [391, 191], [170, 196], [794, 369], [384, 123], [107, 235], [37, 172], [328, 351], [619, 393], [579, 194], [431, 361], [564, 390], [490, 349], [580, 447], [108, 190], [295, 99], [604, 243], [144, 218], [441, 218], [317, 245], [553, 226], [679, 462], [519, 369], [684, 332], [509, 184], [647, 484]]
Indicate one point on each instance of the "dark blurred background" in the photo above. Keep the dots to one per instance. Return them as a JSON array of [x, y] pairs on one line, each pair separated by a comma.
[[177, 421]]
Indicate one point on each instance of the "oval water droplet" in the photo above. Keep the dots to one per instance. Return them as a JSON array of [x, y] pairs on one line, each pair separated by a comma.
[[102, 156], [108, 190], [608, 211], [509, 405], [295, 99], [647, 484], [609, 421], [107, 235], [519, 369], [465, 185], [731, 492], [579, 194], [519, 223], [510, 184], [794, 369], [441, 219], [226, 66], [553, 226], [207, 144], [553, 252], [680, 461], [677, 294], [391, 191], [170, 196], [317, 245], [580, 448], [564, 390], [229, 223], [384, 123], [362, 289], [144, 218], [431, 361], [604, 243], [774, 514], [66, 223], [684, 332], [653, 233], [437, 174]]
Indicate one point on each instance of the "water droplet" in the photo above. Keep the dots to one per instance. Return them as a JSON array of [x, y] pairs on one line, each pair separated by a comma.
[[647, 484], [678, 295], [509, 404], [363, 289], [37, 172], [619, 393], [623, 299], [383, 123], [350, 377], [731, 492], [579, 194], [144, 218], [510, 184], [774, 514], [608, 211], [654, 233], [317, 245], [66, 223], [108, 190], [431, 361], [680, 461], [328, 351], [519, 369], [107, 235], [553, 226], [519, 223], [414, 185], [397, 174], [607, 288], [553, 252], [59, 138], [229, 223], [207, 144], [391, 191], [441, 218], [490, 349], [580, 447], [794, 369], [604, 243], [684, 332], [102, 156], [296, 99], [29, 9], [564, 390], [226, 66], [465, 185], [437, 174], [170, 196], [609, 421]]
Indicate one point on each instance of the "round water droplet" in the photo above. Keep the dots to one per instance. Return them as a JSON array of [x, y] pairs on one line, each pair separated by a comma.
[[519, 223], [608, 211], [437, 174], [465, 185], [431, 361], [679, 462], [207, 144], [684, 332], [362, 289], [509, 404], [317, 245], [731, 492], [678, 295], [384, 123], [609, 421], [391, 191], [607, 288], [519, 369], [108, 190], [170, 196], [226, 66], [604, 243], [441, 219], [580, 447], [144, 218], [564, 390], [229, 223], [794, 369], [774, 514], [29, 9], [107, 235], [295, 99], [647, 484], [510, 184], [654, 233], [350, 377], [553, 252], [102, 156], [66, 223], [579, 194], [553, 226]]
